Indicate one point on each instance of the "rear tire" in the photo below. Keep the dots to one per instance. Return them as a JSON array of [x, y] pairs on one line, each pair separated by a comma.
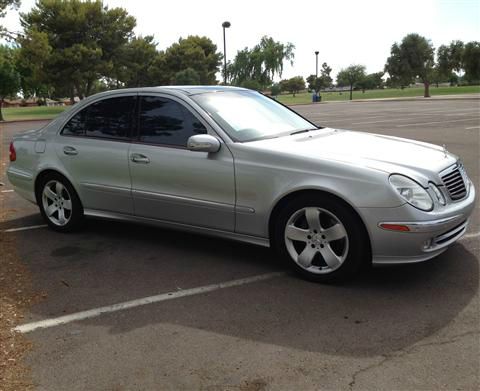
[[321, 238], [59, 203]]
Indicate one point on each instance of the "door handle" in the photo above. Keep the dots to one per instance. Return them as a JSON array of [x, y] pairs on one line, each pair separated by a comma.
[[70, 151], [139, 158]]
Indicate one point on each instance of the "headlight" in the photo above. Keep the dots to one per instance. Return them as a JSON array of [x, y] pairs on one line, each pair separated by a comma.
[[411, 192], [438, 194]]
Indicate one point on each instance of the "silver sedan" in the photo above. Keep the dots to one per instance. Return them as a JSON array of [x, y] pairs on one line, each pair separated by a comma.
[[233, 163]]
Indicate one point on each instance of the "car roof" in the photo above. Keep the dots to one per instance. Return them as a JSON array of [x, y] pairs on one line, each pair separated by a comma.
[[177, 90], [190, 90]]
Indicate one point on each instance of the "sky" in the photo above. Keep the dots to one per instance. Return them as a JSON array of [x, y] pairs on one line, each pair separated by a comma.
[[343, 31]]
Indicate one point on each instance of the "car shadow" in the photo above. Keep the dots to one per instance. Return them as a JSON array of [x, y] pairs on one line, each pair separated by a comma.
[[382, 310]]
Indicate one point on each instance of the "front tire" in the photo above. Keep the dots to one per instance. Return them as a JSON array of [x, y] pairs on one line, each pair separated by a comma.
[[321, 238], [59, 203]]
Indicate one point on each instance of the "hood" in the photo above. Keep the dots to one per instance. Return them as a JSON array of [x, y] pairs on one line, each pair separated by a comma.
[[384, 153]]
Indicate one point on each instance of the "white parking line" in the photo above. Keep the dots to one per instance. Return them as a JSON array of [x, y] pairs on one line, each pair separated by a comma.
[[437, 122], [459, 114], [403, 118], [473, 127], [25, 228], [8, 191], [377, 122], [42, 324]]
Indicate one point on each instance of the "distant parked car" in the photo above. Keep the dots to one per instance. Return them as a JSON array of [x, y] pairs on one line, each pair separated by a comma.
[[233, 163]]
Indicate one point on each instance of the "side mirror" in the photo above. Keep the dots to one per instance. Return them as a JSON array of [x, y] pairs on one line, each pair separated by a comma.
[[203, 143]]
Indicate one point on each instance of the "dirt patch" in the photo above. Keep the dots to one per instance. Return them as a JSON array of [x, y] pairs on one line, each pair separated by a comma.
[[16, 296]]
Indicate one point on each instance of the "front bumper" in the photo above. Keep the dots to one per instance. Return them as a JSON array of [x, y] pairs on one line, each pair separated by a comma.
[[430, 233]]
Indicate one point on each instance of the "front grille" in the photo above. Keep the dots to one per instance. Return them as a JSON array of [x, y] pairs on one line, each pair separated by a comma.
[[455, 184]]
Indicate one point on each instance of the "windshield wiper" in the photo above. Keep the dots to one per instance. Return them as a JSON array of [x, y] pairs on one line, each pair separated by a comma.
[[303, 131]]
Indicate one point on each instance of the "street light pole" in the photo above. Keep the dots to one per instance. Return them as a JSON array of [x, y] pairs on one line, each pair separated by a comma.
[[225, 25], [316, 64]]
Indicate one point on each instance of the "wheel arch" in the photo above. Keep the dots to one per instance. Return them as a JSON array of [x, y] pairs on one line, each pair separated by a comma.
[[45, 172], [285, 199]]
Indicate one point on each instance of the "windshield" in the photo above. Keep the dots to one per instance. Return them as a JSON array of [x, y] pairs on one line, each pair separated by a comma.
[[248, 115]]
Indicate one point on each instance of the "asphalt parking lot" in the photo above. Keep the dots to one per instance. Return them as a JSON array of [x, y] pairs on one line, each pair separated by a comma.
[[408, 327]]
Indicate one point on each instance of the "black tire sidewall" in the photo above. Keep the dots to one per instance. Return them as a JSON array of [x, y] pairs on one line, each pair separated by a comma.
[[359, 246], [76, 218]]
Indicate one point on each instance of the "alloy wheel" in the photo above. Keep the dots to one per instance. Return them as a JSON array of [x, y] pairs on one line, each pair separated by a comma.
[[316, 240], [57, 203]]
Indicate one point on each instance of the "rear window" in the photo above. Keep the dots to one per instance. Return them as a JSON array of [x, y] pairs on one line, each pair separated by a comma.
[[109, 118]]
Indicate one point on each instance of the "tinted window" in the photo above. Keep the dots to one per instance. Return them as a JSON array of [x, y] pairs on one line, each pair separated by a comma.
[[164, 121], [76, 126], [108, 118]]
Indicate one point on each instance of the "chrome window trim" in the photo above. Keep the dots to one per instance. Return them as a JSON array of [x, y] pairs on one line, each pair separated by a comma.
[[126, 141]]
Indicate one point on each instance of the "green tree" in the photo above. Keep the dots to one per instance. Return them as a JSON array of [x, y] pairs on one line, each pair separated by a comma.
[[312, 83], [293, 85], [9, 77], [84, 37], [371, 81], [471, 61], [262, 63], [275, 89], [251, 85], [197, 53], [413, 58], [187, 77], [274, 54], [132, 66], [449, 59], [159, 73], [351, 76], [321, 82], [398, 69], [245, 66], [437, 76], [34, 74]]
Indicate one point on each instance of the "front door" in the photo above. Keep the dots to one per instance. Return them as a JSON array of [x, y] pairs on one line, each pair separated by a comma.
[[171, 183]]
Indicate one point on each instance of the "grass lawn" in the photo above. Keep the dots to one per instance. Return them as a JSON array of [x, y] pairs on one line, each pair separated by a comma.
[[44, 112], [36, 112], [306, 97]]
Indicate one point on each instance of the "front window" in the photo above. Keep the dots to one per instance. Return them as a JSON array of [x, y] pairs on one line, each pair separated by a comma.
[[248, 115], [165, 122]]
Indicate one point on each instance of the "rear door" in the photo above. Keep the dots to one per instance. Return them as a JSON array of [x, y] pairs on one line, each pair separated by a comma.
[[93, 147], [171, 183]]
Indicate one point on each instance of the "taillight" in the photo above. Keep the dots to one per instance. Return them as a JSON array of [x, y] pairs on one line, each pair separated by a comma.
[[13, 153]]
